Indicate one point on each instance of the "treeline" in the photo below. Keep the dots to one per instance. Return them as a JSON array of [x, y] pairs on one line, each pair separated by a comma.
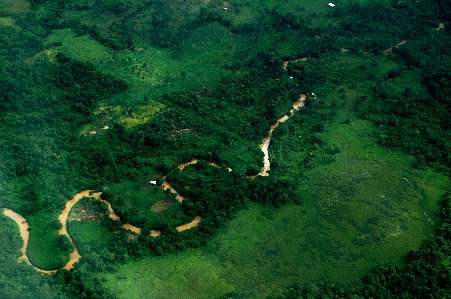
[[247, 104], [303, 134], [156, 21], [380, 26], [20, 281], [418, 123], [44, 98], [426, 273]]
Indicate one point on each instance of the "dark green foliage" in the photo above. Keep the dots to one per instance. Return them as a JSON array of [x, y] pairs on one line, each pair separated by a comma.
[[78, 287], [236, 295], [247, 105], [20, 281], [83, 86], [52, 99], [206, 191], [44, 100], [65, 243], [419, 124]]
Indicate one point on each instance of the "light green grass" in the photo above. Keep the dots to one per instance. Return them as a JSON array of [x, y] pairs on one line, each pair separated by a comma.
[[137, 193], [187, 275], [357, 212], [408, 79], [8, 21], [82, 48], [44, 250], [137, 198], [368, 207], [152, 71], [88, 233], [15, 6]]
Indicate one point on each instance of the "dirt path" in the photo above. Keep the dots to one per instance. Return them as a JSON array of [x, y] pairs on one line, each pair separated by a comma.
[[285, 62], [389, 50]]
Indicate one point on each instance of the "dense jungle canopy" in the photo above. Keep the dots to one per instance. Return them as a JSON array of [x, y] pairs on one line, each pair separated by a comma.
[[113, 96]]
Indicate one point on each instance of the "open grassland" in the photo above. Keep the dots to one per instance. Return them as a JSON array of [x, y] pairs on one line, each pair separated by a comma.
[[145, 205], [13, 6], [332, 236], [84, 232], [192, 274], [44, 247], [151, 71], [367, 207], [364, 207]]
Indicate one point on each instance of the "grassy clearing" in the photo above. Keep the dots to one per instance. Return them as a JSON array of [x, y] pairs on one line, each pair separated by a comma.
[[128, 116], [366, 208], [407, 79], [8, 21], [44, 247], [191, 274], [82, 48], [264, 250], [83, 232], [132, 200], [138, 192], [15, 6], [91, 239], [152, 71], [141, 115]]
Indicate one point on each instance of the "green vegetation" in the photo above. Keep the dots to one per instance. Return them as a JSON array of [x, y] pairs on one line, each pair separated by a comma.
[[144, 205], [191, 274], [45, 249], [26, 282], [373, 208], [110, 95]]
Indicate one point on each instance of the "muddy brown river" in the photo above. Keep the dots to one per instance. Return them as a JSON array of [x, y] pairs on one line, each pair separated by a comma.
[[75, 256], [265, 142]]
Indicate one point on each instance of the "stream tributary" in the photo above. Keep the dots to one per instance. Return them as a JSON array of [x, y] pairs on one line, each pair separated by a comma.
[[75, 256]]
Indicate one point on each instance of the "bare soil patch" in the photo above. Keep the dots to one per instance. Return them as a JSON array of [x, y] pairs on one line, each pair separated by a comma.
[[161, 206]]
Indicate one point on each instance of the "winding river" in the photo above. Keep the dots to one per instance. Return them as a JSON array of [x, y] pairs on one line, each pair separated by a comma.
[[265, 142], [75, 256]]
